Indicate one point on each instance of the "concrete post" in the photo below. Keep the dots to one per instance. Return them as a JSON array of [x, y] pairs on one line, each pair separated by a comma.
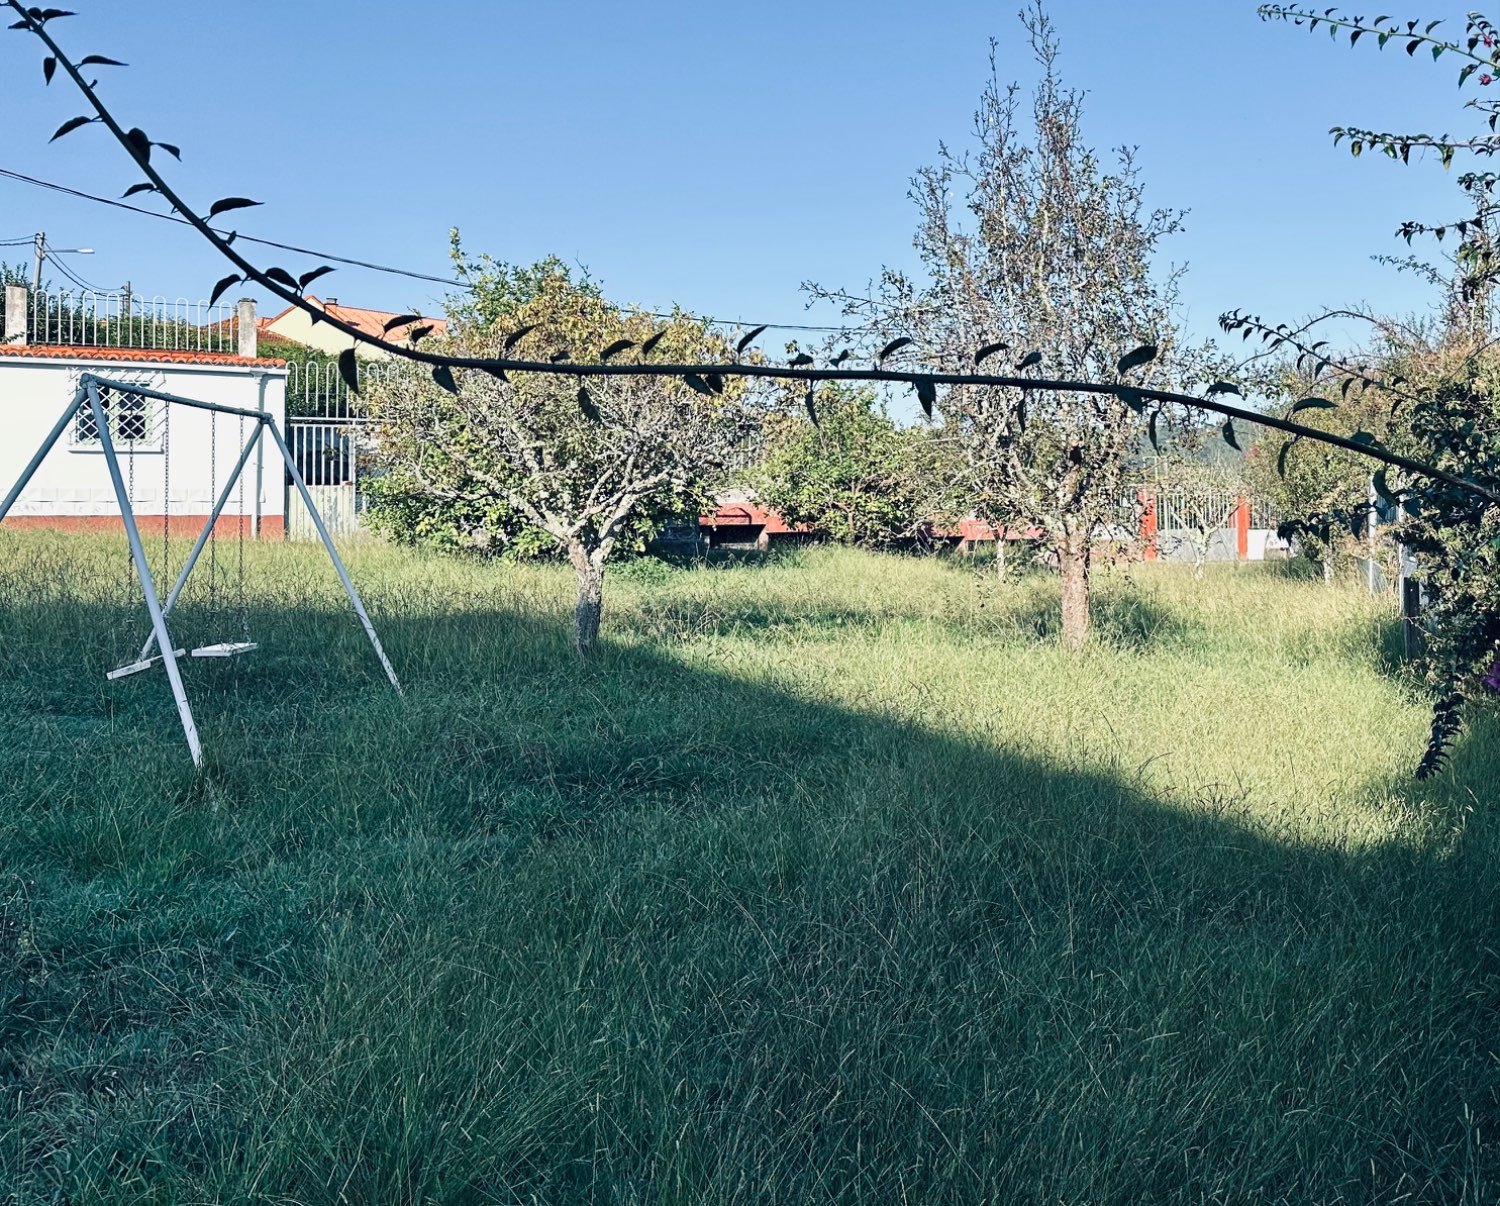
[[249, 345], [17, 299]]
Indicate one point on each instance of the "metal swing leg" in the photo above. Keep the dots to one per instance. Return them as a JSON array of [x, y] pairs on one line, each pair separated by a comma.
[[41, 453], [333, 553], [138, 553]]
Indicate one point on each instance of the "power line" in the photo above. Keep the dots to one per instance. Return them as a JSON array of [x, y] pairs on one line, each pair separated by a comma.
[[745, 324], [70, 274]]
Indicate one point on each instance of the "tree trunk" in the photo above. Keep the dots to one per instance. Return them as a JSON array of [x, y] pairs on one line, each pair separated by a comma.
[[590, 607], [1073, 561], [1000, 554]]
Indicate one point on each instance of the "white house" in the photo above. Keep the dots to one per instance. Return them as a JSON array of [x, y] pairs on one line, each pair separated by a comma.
[[175, 458]]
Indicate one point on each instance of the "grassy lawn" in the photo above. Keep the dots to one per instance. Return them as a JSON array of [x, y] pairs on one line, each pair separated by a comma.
[[832, 880]]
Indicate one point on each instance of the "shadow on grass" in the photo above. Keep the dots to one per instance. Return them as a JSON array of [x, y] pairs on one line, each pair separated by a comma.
[[636, 932]]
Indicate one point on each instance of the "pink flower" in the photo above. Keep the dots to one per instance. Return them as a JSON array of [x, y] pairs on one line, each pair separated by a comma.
[[1486, 79], [1492, 679]]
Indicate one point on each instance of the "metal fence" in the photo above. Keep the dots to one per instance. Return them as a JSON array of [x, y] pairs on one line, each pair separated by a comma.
[[332, 443], [129, 320], [315, 389]]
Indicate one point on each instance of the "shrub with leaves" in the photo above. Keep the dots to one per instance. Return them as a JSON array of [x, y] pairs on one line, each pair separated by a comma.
[[853, 476], [1441, 393]]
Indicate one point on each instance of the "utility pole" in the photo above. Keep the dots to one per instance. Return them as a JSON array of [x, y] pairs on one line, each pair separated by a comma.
[[40, 244]]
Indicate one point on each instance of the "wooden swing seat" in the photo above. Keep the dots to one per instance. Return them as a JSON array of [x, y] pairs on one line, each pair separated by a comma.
[[137, 667], [225, 649]]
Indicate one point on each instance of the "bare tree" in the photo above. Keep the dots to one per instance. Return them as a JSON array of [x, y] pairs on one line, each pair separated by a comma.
[[1032, 247], [578, 462]]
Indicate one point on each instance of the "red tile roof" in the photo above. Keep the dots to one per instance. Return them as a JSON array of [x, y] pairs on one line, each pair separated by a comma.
[[371, 322], [136, 355]]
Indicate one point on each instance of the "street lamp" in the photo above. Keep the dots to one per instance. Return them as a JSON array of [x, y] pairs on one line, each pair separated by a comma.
[[42, 251]]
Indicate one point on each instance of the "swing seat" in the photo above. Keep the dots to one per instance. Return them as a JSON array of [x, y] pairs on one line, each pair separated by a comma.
[[225, 649], [136, 667]]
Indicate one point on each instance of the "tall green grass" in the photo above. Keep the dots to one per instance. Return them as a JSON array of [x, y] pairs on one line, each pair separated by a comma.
[[833, 879]]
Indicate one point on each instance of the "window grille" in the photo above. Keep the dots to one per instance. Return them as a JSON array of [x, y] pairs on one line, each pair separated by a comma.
[[131, 419]]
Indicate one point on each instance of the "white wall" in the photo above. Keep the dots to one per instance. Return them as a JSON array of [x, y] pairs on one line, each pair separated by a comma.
[[178, 478]]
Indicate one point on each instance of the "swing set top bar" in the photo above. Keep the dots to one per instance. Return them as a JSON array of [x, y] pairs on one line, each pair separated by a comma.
[[130, 387]]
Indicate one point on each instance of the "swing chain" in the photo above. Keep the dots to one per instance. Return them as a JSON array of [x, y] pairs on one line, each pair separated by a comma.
[[213, 532], [240, 543], [166, 492]]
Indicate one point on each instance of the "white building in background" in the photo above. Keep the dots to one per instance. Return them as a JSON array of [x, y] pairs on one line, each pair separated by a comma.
[[174, 458]]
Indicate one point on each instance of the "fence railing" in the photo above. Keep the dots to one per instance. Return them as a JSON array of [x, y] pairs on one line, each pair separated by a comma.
[[315, 389], [130, 320], [1189, 510]]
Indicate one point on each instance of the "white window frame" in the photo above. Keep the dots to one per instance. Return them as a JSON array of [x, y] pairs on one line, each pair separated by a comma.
[[152, 442]]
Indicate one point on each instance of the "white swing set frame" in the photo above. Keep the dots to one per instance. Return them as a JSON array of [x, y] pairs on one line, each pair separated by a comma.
[[87, 397]]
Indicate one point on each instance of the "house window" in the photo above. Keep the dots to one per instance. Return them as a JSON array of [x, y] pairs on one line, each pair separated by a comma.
[[131, 417]]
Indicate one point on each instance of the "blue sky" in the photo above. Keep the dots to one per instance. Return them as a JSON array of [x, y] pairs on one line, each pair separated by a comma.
[[714, 156]]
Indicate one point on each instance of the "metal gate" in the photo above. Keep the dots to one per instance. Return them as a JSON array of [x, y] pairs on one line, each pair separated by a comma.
[[328, 455], [332, 445]]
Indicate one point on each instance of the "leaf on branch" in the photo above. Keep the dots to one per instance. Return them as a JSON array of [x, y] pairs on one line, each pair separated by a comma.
[[812, 411], [98, 60], [140, 145], [417, 334], [1281, 456], [1229, 437], [926, 395], [840, 358], [1030, 359], [1144, 354], [1132, 398], [519, 334], [349, 370], [497, 373], [225, 204], [800, 360], [1312, 404], [586, 404], [747, 340], [227, 283], [1151, 430], [714, 381], [49, 68], [989, 350], [281, 276], [49, 14], [650, 345], [559, 357], [894, 346], [443, 375], [1224, 387], [1383, 488], [70, 125], [697, 384], [615, 348], [401, 320], [138, 188], [1366, 438]]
